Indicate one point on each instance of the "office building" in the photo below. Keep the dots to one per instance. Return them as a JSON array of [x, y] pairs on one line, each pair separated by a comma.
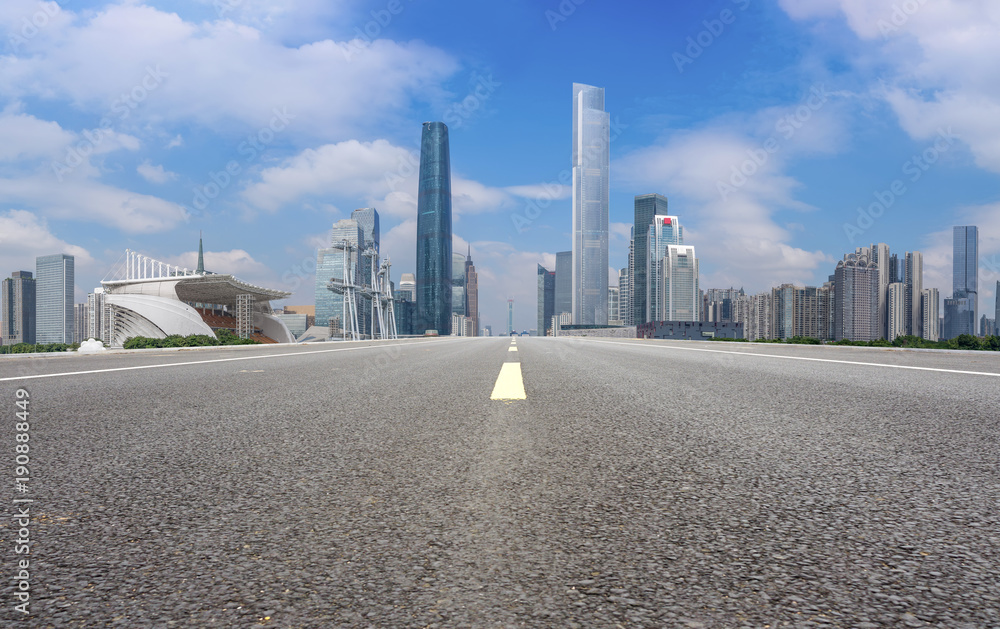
[[510, 316], [591, 183], [368, 221], [54, 278], [472, 293], [856, 299], [546, 300], [677, 297], [662, 233], [18, 304], [434, 254], [961, 310], [646, 207], [896, 310], [408, 285], [625, 295], [458, 303], [614, 311], [564, 284], [79, 322], [930, 311], [342, 264]]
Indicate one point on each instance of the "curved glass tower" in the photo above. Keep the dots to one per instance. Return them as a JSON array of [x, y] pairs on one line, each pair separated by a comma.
[[434, 259], [591, 158]]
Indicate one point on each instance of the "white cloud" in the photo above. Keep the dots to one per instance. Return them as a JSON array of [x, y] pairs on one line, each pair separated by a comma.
[[175, 142], [165, 75], [27, 137], [25, 236], [155, 174], [942, 65], [233, 262]]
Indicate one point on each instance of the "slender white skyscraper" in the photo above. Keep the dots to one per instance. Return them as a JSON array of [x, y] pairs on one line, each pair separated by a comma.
[[591, 179]]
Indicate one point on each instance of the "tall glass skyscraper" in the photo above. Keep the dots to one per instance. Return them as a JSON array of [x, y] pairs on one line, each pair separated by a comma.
[[54, 281], [591, 181], [330, 265], [646, 207], [677, 285], [434, 259], [546, 299], [965, 268], [367, 219], [564, 283], [663, 232], [18, 303]]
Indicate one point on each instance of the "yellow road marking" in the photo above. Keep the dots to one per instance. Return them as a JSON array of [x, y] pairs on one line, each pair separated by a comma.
[[511, 349], [510, 385]]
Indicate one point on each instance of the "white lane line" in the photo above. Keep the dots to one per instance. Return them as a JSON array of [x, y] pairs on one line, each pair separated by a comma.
[[510, 384], [816, 360], [205, 362]]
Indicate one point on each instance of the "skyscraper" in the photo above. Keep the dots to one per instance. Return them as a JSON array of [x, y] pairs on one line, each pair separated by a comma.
[[546, 299], [330, 264], [856, 300], [961, 310], [678, 296], [510, 317], [646, 207], [896, 310], [663, 232], [367, 219], [54, 298], [880, 256], [564, 283], [18, 303], [472, 293], [434, 259], [408, 285], [625, 295], [591, 179], [458, 302], [913, 278], [930, 308]]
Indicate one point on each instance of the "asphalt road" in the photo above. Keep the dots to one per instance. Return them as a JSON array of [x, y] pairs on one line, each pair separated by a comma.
[[638, 484]]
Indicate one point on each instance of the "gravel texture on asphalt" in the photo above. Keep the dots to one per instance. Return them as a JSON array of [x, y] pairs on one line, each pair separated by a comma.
[[640, 484]]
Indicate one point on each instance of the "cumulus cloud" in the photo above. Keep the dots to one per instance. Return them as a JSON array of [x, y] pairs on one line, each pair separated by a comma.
[[165, 75], [233, 262], [154, 174], [25, 236], [941, 58]]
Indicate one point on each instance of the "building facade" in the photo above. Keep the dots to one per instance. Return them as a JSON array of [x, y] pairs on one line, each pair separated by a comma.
[[896, 311], [472, 293], [546, 300], [856, 301], [54, 279], [677, 297], [913, 278], [564, 284], [646, 207], [930, 304], [18, 304], [434, 254], [591, 185], [664, 232], [339, 262]]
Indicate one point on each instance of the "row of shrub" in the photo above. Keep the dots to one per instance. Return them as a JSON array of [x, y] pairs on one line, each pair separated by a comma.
[[222, 337], [963, 341], [33, 348]]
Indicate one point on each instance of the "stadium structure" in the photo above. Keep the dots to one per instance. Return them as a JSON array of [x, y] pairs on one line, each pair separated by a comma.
[[146, 297]]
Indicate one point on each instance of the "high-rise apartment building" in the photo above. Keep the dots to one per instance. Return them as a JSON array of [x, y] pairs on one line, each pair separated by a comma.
[[856, 300], [896, 310], [930, 304], [758, 323], [408, 286], [54, 278], [564, 283], [591, 183], [434, 259], [647, 206], [18, 304], [546, 300], [913, 278], [614, 310], [625, 295], [880, 256]]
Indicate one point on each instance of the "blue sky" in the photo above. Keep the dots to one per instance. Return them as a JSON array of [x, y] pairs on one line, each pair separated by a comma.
[[120, 119]]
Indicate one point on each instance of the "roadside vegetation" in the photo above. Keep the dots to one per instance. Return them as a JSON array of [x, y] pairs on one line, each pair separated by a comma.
[[222, 337], [964, 341], [35, 348]]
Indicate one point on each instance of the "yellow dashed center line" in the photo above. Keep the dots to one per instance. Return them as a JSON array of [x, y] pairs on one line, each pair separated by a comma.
[[511, 349], [510, 385]]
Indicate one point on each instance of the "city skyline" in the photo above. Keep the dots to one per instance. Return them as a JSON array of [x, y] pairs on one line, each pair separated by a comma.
[[855, 143]]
